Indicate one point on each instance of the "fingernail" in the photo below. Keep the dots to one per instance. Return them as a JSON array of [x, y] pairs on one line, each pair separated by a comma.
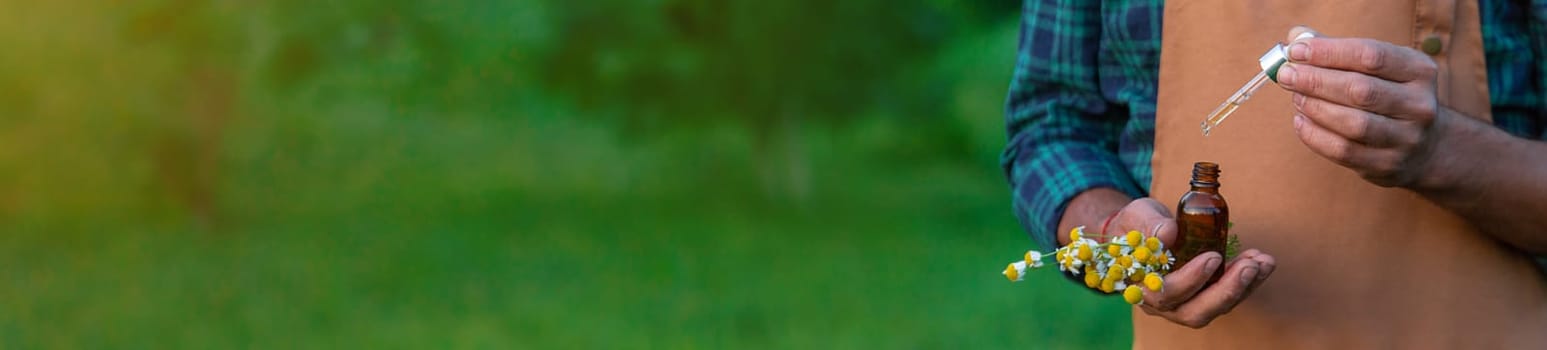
[[1211, 265], [1249, 275], [1299, 121], [1299, 100], [1299, 52], [1286, 75]]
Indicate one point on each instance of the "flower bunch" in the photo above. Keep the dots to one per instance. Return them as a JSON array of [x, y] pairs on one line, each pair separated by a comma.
[[1122, 264]]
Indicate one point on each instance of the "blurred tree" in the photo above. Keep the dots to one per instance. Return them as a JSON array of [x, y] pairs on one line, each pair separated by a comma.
[[398, 42], [197, 101], [770, 66]]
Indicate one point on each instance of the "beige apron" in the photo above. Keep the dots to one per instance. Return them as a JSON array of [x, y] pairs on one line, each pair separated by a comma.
[[1359, 266]]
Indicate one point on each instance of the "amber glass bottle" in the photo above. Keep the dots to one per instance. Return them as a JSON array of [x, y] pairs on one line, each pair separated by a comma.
[[1202, 218]]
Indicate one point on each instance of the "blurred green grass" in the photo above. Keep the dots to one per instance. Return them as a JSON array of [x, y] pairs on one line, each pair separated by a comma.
[[394, 175]]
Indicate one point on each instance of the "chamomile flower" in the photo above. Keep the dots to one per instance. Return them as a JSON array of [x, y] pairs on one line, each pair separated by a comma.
[[1125, 261], [1033, 258], [1084, 251], [1015, 271], [1126, 264], [1134, 238], [1075, 255], [1153, 282], [1141, 254], [1164, 260], [1115, 273], [1133, 295]]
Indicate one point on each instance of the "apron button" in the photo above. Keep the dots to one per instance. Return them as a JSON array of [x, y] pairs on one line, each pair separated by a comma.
[[1431, 45]]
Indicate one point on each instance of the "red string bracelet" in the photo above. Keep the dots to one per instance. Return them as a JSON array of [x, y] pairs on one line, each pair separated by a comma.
[[1103, 233]]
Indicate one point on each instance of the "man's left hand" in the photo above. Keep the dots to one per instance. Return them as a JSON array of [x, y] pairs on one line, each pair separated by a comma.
[[1365, 104]]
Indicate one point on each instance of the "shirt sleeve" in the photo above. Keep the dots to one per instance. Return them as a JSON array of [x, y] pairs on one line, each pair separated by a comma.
[[1063, 135], [1515, 41], [1539, 44]]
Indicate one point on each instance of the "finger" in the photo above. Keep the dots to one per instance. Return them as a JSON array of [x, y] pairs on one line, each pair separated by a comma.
[[1163, 229], [1329, 144], [1153, 310], [1182, 284], [1357, 125], [1266, 265], [1265, 262], [1354, 90], [1369, 56], [1221, 297], [1154, 206], [1375, 165], [1139, 215]]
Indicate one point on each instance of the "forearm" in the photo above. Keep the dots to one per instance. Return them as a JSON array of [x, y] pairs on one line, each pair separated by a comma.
[[1497, 181], [1063, 139]]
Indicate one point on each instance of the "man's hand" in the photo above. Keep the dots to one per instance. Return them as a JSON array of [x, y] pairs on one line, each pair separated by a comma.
[[1367, 105], [1186, 301], [1183, 298]]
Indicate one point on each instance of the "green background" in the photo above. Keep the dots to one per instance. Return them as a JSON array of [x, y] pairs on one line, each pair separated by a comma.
[[516, 174]]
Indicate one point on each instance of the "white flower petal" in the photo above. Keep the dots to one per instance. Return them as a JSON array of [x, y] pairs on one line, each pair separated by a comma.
[[1034, 258], [1020, 271]]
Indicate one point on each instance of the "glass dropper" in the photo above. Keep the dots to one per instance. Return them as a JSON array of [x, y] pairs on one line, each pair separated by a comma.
[[1223, 111], [1269, 62]]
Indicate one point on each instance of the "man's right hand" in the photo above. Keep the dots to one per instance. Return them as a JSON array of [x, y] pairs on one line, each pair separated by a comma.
[[1183, 299]]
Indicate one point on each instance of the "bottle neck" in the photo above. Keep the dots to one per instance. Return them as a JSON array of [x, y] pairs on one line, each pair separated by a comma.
[[1205, 177]]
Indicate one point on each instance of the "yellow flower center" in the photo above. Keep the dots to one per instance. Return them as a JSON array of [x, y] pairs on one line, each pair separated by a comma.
[[1132, 295], [1141, 253], [1153, 282]]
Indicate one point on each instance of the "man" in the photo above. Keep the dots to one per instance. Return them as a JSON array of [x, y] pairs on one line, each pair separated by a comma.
[[1397, 214]]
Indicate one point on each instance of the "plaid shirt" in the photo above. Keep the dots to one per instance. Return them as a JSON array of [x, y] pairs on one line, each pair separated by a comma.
[[1081, 107]]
